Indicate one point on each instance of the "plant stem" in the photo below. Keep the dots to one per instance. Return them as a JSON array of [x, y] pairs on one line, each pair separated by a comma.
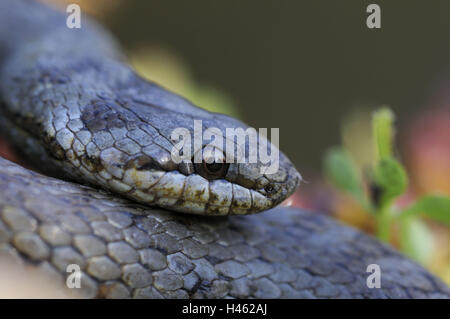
[[382, 125]]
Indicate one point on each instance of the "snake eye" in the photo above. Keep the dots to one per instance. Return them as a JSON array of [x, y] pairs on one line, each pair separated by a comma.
[[213, 164]]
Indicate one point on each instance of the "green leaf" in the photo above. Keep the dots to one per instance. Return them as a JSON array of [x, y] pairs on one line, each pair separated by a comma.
[[416, 240], [341, 171], [433, 206], [391, 177], [383, 134]]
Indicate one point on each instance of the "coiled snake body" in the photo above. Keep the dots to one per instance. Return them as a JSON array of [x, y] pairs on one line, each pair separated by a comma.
[[72, 105]]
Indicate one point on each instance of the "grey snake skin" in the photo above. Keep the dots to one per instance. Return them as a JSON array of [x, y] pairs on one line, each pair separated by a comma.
[[72, 105]]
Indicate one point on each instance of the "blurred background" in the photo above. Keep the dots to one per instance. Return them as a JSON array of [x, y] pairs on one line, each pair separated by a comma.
[[314, 70]]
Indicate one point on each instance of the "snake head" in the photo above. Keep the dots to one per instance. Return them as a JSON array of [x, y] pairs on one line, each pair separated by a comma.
[[213, 176], [119, 135], [250, 181]]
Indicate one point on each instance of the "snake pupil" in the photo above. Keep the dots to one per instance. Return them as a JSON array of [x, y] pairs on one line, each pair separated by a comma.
[[213, 167]]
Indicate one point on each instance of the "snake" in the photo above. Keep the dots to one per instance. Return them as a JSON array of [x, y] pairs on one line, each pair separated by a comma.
[[103, 191]]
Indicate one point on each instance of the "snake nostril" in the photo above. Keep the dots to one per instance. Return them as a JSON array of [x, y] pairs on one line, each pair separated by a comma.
[[269, 188]]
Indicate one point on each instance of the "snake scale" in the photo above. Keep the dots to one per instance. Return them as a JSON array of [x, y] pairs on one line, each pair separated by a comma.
[[71, 104]]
